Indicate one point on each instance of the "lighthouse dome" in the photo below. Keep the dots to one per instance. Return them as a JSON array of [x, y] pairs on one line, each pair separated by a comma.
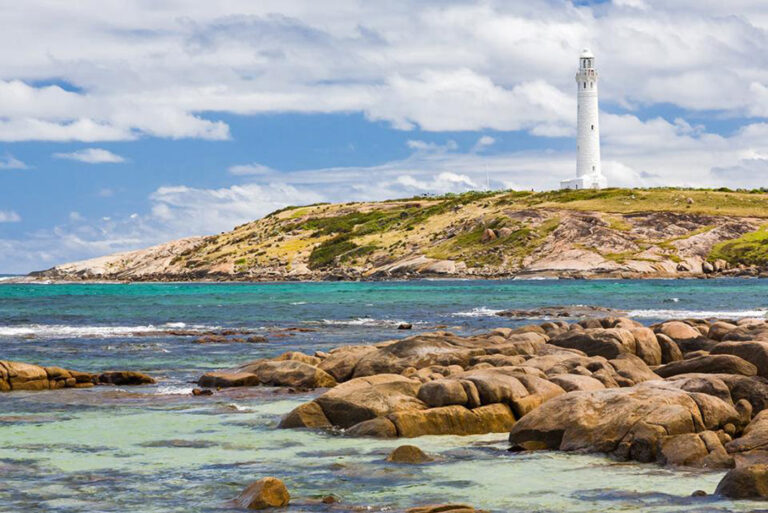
[[586, 53]]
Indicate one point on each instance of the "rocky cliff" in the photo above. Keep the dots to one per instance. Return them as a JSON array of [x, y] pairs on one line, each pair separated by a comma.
[[608, 233]]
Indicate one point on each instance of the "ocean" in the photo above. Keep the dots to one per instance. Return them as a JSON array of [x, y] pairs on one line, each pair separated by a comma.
[[159, 449]]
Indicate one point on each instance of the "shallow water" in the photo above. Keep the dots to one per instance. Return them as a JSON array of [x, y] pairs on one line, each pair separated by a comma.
[[158, 449]]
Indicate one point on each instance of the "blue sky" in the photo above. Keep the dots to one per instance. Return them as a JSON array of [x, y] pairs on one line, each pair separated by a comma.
[[126, 124]]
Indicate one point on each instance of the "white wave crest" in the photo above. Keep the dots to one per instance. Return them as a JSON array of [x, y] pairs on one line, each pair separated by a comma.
[[478, 312], [365, 321], [696, 314], [174, 390], [67, 331]]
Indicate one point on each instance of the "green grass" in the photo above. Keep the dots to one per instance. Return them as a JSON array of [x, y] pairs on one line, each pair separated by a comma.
[[750, 249]]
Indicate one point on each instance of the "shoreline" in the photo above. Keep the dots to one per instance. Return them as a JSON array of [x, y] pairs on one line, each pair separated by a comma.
[[329, 279]]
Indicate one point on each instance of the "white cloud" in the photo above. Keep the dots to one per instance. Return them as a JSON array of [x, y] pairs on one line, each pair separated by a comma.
[[484, 142], [9, 216], [92, 156], [250, 169], [10, 162], [129, 71]]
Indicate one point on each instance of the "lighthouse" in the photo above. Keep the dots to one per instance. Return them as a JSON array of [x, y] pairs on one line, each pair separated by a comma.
[[589, 175]]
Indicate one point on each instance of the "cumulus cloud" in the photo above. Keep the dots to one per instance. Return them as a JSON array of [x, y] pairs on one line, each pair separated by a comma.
[[92, 156], [126, 71]]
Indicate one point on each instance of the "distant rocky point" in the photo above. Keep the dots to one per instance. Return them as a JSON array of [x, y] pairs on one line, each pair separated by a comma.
[[610, 233]]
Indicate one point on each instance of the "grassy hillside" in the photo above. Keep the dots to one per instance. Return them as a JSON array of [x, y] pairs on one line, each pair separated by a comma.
[[640, 231], [349, 233]]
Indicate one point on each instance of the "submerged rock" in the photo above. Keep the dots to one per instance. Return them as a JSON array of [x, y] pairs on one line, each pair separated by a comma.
[[445, 508], [267, 492], [409, 454], [573, 311]]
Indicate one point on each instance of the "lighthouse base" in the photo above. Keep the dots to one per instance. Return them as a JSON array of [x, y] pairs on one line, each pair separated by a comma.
[[585, 182]]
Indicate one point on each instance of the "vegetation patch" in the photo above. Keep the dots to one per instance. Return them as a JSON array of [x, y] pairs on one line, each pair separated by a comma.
[[750, 249], [325, 254], [520, 242]]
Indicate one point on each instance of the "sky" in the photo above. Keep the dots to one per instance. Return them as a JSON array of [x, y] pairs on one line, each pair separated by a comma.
[[125, 124]]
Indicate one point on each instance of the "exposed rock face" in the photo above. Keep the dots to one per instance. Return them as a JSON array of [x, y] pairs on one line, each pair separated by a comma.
[[267, 492], [25, 376]]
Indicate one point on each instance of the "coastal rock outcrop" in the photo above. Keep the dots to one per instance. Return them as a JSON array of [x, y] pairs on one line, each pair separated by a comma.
[[25, 376], [599, 384]]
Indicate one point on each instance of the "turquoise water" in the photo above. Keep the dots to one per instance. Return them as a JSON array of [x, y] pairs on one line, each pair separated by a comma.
[[158, 449]]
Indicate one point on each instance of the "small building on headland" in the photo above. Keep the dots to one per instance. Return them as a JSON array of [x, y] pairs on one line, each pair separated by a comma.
[[589, 175]]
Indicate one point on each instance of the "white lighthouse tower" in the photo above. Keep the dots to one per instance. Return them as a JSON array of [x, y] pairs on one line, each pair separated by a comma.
[[588, 172]]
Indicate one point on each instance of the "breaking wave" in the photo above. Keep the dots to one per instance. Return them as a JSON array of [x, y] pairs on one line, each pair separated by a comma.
[[478, 312], [685, 314], [68, 331]]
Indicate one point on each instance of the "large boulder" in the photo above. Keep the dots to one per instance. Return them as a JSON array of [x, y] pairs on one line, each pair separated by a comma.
[[341, 362], [754, 352], [685, 336], [718, 330], [678, 331], [292, 373], [418, 352], [745, 483], [267, 492], [752, 446], [629, 422], [710, 364], [608, 343], [369, 397], [647, 346], [308, 415], [453, 420], [444, 392], [670, 351], [701, 450], [24, 376]]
